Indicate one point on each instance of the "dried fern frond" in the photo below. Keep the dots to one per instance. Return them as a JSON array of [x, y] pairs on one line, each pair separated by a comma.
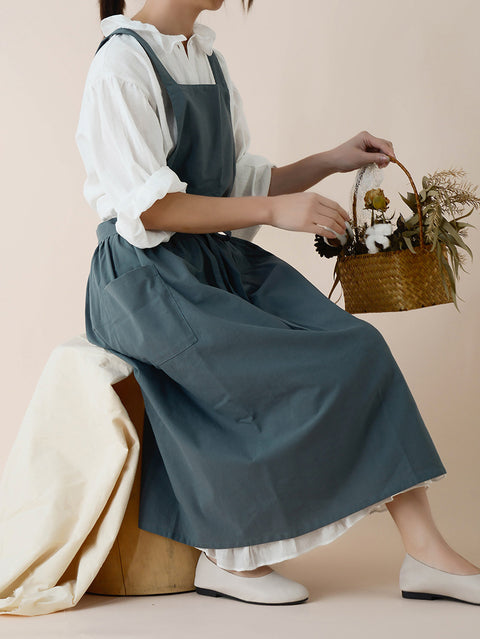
[[445, 175], [451, 192]]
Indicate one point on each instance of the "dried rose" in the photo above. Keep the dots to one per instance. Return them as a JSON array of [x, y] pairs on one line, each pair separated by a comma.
[[376, 199]]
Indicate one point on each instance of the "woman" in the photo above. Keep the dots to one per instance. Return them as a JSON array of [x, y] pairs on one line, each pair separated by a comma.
[[274, 420]]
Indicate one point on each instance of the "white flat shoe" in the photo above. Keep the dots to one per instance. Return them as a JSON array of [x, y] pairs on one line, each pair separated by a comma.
[[421, 581], [271, 589]]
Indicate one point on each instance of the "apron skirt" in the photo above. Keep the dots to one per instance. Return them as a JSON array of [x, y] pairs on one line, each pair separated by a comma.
[[269, 410]]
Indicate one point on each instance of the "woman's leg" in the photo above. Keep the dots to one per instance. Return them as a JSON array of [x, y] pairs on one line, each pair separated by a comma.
[[411, 512]]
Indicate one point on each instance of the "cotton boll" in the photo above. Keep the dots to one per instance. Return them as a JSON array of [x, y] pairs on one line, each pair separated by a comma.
[[377, 233], [370, 243], [341, 238], [381, 239], [380, 229]]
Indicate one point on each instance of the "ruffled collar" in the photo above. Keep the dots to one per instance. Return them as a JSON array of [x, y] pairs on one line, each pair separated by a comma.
[[204, 35]]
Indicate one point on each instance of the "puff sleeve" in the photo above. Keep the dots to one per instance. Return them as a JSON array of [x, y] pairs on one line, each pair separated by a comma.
[[122, 147]]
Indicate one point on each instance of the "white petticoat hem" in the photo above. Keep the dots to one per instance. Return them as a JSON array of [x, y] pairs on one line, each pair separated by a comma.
[[250, 557]]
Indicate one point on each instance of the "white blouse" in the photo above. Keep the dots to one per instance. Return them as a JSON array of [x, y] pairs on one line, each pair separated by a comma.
[[127, 128]]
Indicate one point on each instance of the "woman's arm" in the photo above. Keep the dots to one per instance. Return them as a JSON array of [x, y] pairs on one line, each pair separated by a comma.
[[301, 175], [189, 213], [360, 150]]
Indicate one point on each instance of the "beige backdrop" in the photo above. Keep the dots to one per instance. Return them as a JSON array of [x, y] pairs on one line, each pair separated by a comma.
[[312, 74]]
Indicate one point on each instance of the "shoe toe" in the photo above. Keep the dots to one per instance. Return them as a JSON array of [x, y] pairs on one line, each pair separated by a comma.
[[418, 580], [273, 588]]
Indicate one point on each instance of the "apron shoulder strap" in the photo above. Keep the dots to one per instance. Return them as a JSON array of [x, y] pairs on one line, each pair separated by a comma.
[[217, 70], [160, 70]]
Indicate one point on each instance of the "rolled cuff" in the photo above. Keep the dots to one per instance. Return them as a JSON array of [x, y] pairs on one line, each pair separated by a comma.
[[128, 210]]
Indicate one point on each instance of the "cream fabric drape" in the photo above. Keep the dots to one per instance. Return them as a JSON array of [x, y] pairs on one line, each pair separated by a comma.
[[67, 481]]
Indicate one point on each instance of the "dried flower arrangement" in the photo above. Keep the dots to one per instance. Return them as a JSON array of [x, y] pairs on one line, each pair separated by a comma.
[[442, 224]]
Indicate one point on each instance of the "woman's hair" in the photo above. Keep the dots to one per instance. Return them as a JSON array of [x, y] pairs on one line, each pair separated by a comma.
[[112, 7]]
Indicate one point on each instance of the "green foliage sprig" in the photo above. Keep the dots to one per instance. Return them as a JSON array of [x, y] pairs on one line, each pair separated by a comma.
[[445, 194]]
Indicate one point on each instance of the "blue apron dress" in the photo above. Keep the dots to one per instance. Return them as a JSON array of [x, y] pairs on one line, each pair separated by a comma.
[[269, 410]]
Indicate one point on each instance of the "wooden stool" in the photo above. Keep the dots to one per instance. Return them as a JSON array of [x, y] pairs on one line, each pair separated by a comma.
[[142, 563]]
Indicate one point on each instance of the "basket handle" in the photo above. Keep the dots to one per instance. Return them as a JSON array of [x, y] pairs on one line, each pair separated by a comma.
[[417, 199]]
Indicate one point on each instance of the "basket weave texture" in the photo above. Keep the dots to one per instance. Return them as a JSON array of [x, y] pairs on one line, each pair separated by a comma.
[[393, 280]]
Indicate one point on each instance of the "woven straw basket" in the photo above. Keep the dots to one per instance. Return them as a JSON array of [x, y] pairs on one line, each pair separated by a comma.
[[392, 280]]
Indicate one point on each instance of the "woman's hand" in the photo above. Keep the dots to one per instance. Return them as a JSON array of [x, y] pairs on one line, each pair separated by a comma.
[[310, 212], [359, 151]]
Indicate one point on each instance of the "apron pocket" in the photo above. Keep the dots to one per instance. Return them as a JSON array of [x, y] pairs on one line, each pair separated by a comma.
[[142, 318]]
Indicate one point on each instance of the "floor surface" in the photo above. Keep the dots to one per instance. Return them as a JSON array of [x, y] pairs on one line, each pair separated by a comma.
[[351, 595]]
